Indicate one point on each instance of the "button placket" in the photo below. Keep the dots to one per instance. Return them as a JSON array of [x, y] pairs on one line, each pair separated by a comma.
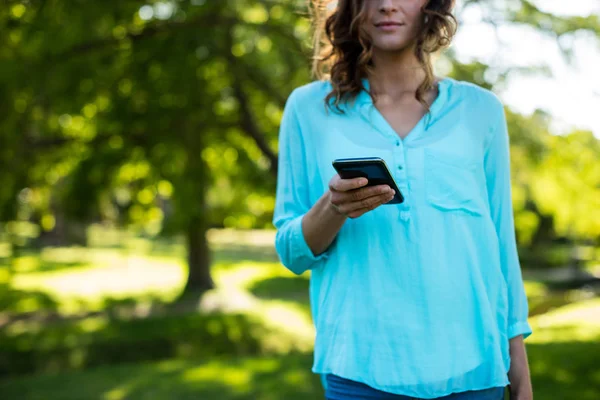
[[378, 122], [401, 179]]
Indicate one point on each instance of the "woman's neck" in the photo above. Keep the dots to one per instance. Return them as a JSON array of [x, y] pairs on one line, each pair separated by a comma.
[[396, 73]]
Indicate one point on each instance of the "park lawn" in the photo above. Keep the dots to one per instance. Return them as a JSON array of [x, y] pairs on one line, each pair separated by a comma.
[[87, 279], [249, 378], [100, 280], [562, 352], [250, 282]]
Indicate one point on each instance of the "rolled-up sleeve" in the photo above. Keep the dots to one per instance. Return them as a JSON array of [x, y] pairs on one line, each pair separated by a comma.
[[497, 170], [292, 196]]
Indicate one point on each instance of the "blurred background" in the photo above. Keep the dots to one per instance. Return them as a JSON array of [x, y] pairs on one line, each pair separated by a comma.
[[138, 156]]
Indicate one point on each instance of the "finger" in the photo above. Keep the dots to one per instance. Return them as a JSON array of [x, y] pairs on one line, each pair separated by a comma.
[[364, 193], [343, 185], [341, 198], [368, 204], [362, 211], [361, 198]]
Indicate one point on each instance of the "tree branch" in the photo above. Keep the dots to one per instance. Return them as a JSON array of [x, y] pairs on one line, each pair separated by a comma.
[[147, 33], [250, 126], [264, 84], [247, 121], [210, 19]]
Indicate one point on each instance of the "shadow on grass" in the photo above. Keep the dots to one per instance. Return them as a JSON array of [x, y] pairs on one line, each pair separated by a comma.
[[283, 288], [237, 253], [558, 297], [591, 282], [40, 309], [549, 301], [220, 253], [98, 341], [48, 266], [32, 262], [13, 301]]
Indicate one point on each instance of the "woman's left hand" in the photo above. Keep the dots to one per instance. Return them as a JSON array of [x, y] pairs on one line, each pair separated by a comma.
[[518, 375]]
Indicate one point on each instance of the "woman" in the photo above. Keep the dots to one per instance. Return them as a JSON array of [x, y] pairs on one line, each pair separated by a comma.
[[419, 300]]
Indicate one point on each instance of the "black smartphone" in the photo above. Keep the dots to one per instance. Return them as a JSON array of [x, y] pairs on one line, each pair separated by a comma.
[[373, 168]]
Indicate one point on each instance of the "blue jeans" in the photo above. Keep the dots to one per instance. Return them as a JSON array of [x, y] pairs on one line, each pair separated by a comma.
[[345, 389]]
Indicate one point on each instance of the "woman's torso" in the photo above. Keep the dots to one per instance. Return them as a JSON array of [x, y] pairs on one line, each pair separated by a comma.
[[411, 292]]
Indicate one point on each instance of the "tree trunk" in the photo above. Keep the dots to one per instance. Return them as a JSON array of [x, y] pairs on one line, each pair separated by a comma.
[[199, 279], [192, 208]]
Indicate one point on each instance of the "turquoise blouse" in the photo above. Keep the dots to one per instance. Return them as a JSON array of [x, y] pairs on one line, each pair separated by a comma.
[[421, 298]]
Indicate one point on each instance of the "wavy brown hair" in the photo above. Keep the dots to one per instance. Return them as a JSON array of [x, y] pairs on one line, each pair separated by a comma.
[[343, 53]]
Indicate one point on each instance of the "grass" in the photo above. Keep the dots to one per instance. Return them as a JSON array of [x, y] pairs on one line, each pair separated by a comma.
[[127, 273], [562, 354], [141, 274], [251, 378]]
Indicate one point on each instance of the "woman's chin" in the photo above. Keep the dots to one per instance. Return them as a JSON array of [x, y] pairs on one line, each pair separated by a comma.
[[391, 45]]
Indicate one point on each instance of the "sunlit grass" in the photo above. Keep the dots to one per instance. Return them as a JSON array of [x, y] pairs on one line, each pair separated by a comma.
[[260, 237], [242, 275], [574, 322], [124, 266], [535, 289], [113, 276], [120, 276], [5, 250]]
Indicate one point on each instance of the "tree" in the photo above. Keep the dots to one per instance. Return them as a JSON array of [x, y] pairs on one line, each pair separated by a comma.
[[164, 115], [130, 106]]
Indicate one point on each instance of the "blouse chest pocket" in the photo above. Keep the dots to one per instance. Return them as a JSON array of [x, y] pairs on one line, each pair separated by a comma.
[[451, 183]]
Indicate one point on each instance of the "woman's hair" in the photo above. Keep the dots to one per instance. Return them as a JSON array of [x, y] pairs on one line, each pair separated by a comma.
[[343, 53]]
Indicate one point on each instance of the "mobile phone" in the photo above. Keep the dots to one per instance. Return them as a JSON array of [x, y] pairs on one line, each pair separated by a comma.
[[373, 168]]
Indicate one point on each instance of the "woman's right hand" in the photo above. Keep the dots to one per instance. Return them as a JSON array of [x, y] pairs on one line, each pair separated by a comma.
[[349, 197]]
